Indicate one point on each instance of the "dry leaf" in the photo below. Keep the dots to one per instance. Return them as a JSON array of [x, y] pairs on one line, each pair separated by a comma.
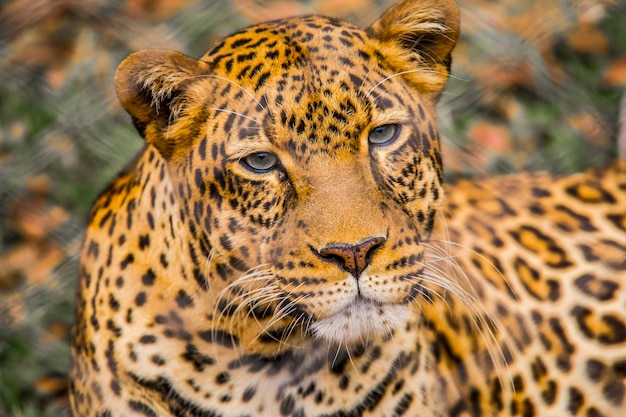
[[586, 38], [496, 138], [615, 73]]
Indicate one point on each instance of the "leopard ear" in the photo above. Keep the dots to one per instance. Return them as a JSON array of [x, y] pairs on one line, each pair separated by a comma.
[[150, 84], [420, 35]]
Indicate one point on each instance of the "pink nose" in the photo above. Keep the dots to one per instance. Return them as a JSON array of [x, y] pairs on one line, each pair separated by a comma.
[[352, 258]]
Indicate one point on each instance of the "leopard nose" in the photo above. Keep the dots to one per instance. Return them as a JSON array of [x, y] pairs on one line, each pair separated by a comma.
[[352, 258]]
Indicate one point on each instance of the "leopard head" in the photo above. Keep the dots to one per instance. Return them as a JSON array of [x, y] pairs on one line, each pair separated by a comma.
[[305, 163]]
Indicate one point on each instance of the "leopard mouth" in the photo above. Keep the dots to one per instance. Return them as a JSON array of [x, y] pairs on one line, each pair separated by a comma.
[[360, 321]]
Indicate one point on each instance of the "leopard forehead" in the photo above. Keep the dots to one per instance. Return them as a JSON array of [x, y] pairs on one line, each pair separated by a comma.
[[325, 48], [281, 81], [270, 48]]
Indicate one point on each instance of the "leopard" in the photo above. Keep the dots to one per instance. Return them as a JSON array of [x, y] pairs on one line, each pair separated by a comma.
[[285, 244]]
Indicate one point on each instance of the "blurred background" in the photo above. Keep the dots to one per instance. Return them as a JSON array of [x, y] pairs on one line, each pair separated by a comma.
[[536, 85]]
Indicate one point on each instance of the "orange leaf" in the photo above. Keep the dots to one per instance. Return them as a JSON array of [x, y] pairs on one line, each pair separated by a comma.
[[615, 74], [587, 38], [494, 137]]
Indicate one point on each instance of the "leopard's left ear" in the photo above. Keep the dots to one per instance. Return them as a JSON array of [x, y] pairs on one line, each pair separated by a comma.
[[420, 34], [152, 85]]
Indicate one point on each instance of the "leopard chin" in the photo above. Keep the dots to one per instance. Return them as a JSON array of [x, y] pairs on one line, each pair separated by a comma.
[[359, 322]]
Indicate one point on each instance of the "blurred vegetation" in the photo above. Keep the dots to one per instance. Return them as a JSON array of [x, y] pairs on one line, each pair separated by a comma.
[[536, 84]]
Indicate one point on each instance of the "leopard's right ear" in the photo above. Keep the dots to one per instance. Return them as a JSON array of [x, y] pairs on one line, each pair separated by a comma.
[[150, 85], [418, 38]]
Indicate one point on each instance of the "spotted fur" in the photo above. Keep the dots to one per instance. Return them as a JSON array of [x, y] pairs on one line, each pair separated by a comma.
[[281, 246]]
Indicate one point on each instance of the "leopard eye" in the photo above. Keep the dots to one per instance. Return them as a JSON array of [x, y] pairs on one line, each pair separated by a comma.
[[261, 162], [384, 134]]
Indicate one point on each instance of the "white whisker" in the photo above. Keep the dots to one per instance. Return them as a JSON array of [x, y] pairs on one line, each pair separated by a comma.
[[242, 88], [442, 270], [235, 112]]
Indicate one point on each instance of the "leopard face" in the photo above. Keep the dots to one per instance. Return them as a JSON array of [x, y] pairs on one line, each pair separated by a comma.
[[318, 181], [310, 188]]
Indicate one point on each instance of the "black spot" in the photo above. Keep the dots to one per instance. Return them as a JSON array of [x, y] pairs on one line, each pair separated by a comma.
[[220, 337], [130, 258], [563, 360], [227, 308], [263, 79], [356, 81], [271, 55], [238, 264], [140, 299], [601, 289], [595, 369], [537, 209], [246, 57], [148, 278], [142, 408], [339, 362], [199, 180], [287, 405], [598, 195], [403, 404], [593, 412], [549, 394], [117, 331], [110, 355], [319, 397], [93, 249], [115, 387], [222, 378], [150, 221], [613, 329], [183, 299], [147, 339], [197, 359], [248, 394], [344, 381], [584, 223], [202, 149], [619, 369], [558, 258], [619, 220], [201, 280], [540, 192], [104, 219], [613, 391], [113, 303], [240, 42], [527, 408], [226, 243], [163, 260], [144, 241], [223, 271], [157, 360]]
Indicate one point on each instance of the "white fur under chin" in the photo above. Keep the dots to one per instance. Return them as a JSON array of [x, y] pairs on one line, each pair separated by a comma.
[[359, 322]]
